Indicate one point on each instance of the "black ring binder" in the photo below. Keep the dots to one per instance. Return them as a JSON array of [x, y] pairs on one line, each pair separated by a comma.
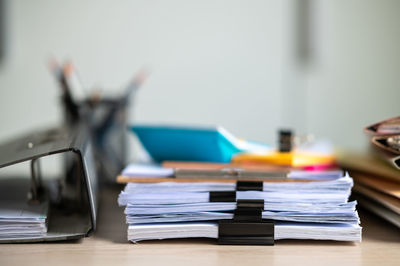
[[75, 216]]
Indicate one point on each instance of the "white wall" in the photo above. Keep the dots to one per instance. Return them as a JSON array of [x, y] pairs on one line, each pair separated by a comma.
[[356, 80], [213, 62]]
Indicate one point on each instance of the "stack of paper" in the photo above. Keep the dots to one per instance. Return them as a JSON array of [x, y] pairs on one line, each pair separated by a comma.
[[20, 220], [301, 209]]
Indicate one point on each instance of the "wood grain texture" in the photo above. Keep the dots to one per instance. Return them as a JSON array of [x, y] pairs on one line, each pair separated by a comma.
[[108, 246]]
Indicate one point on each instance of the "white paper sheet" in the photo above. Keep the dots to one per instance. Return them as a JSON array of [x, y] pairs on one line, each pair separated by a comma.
[[301, 210], [18, 219]]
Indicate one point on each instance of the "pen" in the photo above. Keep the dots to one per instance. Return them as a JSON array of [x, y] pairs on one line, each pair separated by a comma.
[[73, 81], [71, 108], [121, 102]]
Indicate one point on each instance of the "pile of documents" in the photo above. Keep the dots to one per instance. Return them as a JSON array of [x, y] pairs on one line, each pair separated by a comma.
[[377, 173], [303, 205], [21, 220], [208, 187]]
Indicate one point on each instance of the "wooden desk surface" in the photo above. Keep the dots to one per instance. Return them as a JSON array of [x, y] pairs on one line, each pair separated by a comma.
[[108, 246]]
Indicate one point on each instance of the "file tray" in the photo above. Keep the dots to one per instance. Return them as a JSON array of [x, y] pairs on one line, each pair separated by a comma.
[[73, 204]]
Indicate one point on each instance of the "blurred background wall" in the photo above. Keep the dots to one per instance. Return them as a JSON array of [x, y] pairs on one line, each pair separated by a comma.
[[322, 67]]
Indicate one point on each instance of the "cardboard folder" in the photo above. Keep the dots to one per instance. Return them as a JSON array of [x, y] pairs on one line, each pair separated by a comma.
[[380, 139]]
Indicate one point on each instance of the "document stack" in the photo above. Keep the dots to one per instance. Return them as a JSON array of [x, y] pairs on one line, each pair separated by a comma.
[[298, 206], [214, 185], [22, 221]]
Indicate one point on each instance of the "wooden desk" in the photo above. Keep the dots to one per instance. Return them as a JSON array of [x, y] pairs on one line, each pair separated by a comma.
[[108, 246]]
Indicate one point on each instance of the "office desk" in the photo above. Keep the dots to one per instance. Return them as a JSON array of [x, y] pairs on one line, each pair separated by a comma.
[[108, 246]]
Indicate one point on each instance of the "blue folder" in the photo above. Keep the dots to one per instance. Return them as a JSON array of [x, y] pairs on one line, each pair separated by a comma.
[[174, 143]]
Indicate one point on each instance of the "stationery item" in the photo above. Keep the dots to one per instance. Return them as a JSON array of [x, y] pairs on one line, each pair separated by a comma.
[[394, 143], [21, 221], [20, 218], [385, 137], [72, 197], [105, 116], [236, 173], [389, 126], [337, 232], [71, 107], [368, 163], [285, 141], [178, 143], [120, 104], [317, 155], [388, 147], [108, 122], [379, 195], [217, 172], [295, 159], [390, 202], [73, 82], [317, 209], [377, 183], [182, 165], [147, 170], [378, 209]]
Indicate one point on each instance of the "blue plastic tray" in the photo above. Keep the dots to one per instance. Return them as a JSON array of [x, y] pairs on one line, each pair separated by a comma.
[[187, 143]]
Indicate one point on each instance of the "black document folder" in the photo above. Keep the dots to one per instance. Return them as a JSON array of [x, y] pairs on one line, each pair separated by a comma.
[[73, 204]]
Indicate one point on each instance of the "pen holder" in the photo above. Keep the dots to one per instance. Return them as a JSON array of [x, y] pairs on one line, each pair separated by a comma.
[[106, 119], [109, 129]]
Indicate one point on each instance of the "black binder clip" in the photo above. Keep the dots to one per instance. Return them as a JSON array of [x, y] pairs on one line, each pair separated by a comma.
[[285, 141], [249, 185], [247, 226], [222, 196]]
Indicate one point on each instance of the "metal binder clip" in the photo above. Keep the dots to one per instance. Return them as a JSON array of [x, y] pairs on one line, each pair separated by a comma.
[[222, 196], [285, 140], [247, 226], [249, 185], [249, 210]]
